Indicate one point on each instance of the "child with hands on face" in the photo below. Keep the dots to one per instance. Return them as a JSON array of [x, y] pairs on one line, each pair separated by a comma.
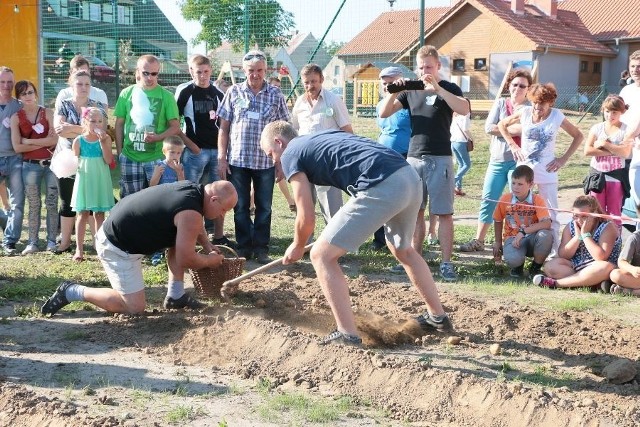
[[170, 170], [93, 188], [588, 251]]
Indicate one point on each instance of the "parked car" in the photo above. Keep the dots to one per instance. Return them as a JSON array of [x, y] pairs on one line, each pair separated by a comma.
[[100, 71]]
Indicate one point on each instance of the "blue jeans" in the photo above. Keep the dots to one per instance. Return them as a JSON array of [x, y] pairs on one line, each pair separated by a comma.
[[201, 168], [11, 173], [33, 175], [253, 236], [495, 179], [462, 159]]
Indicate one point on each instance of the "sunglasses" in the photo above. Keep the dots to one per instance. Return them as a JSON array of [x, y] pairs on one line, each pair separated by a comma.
[[250, 56], [30, 92], [150, 73], [520, 86]]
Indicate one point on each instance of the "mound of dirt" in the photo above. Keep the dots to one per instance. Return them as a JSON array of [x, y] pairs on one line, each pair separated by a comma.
[[549, 370]]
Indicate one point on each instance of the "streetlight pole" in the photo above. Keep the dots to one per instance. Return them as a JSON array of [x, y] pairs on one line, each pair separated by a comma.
[[114, 6], [421, 23]]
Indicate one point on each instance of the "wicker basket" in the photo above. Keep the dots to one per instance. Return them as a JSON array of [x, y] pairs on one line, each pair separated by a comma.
[[208, 281]]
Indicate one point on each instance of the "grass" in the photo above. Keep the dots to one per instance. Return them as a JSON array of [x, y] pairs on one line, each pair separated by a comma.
[[28, 280], [547, 377], [182, 413]]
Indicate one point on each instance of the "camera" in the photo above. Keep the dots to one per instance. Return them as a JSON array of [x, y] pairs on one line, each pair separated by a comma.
[[408, 85]]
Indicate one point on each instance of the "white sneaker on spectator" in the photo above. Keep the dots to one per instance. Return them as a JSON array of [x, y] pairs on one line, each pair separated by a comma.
[[30, 249]]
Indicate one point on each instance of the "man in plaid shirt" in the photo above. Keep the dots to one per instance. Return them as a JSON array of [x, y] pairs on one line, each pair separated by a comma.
[[245, 110]]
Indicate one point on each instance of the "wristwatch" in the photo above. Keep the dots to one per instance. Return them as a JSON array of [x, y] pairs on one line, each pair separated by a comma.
[[521, 230]]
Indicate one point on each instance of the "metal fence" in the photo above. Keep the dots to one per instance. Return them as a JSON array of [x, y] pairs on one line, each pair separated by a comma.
[[113, 33]]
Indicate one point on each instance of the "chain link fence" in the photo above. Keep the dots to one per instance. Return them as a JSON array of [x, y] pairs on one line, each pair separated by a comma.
[[113, 33]]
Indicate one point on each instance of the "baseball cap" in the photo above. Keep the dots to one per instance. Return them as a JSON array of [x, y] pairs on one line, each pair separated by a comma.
[[390, 71]]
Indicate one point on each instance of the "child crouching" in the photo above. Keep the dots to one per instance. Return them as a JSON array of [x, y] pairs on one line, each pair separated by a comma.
[[522, 221]]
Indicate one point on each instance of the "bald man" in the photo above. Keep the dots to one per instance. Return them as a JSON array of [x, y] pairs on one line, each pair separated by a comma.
[[163, 217]]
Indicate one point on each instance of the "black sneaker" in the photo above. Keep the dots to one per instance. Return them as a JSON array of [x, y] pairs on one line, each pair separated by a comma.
[[429, 323], [262, 258], [517, 272], [342, 338], [224, 241], [57, 300], [605, 286], [10, 249], [185, 301], [535, 269]]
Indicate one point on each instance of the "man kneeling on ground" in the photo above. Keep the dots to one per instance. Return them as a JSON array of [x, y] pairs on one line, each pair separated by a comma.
[[165, 216], [384, 190]]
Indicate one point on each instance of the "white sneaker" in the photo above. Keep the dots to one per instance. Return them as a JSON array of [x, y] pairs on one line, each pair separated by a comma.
[[30, 249], [51, 246]]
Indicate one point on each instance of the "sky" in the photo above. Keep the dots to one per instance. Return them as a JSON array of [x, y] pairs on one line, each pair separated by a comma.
[[313, 16]]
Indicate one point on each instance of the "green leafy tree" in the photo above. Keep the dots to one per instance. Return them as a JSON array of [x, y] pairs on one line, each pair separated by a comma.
[[224, 20], [333, 46]]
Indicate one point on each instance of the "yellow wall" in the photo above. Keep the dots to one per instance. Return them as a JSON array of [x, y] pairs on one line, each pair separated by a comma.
[[19, 49]]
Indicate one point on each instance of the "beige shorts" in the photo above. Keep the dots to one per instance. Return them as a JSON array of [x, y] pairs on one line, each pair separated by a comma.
[[123, 269]]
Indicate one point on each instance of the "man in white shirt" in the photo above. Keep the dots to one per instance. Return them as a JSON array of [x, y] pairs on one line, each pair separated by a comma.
[[80, 63], [631, 92], [317, 110]]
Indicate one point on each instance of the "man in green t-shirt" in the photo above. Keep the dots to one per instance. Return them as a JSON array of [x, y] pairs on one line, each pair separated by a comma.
[[146, 114]]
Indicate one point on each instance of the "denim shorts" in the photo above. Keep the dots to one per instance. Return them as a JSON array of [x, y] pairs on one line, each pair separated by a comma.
[[438, 182]]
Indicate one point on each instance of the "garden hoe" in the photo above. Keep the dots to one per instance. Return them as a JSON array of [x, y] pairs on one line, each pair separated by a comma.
[[230, 287]]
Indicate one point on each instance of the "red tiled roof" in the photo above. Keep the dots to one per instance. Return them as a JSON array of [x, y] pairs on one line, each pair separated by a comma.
[[391, 32], [607, 19], [566, 32]]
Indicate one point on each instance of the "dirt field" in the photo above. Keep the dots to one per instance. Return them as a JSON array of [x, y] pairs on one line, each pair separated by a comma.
[[89, 368]]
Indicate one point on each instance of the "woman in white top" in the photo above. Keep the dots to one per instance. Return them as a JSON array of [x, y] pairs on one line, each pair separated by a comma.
[[540, 125]]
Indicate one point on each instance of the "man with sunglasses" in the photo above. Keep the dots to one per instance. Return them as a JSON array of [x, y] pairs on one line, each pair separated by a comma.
[[245, 110], [146, 114]]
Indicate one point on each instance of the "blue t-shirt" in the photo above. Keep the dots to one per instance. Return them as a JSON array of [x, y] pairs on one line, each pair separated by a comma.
[[395, 131], [169, 175], [340, 159]]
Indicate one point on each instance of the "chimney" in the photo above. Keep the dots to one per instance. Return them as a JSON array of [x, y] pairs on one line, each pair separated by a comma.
[[517, 7], [548, 7]]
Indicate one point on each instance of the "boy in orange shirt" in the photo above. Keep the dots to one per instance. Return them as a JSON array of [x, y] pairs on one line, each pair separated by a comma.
[[522, 221]]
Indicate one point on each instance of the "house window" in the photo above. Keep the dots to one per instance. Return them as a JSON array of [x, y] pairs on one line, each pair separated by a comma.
[[597, 67], [336, 70], [107, 13], [75, 9], [584, 66], [458, 65], [480, 64], [95, 12], [125, 15]]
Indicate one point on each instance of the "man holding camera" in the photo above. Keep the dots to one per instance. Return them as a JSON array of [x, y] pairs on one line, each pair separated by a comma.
[[429, 153]]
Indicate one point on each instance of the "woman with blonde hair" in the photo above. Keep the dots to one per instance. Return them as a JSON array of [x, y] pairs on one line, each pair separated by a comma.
[[588, 251]]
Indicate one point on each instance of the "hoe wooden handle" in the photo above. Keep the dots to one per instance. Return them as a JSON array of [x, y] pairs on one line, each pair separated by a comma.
[[230, 286]]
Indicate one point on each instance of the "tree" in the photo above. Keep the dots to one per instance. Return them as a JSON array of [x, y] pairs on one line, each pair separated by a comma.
[[333, 46], [224, 20]]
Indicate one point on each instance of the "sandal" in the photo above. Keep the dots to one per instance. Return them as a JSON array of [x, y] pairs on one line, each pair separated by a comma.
[[473, 245], [59, 251], [459, 192], [293, 208], [57, 300]]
